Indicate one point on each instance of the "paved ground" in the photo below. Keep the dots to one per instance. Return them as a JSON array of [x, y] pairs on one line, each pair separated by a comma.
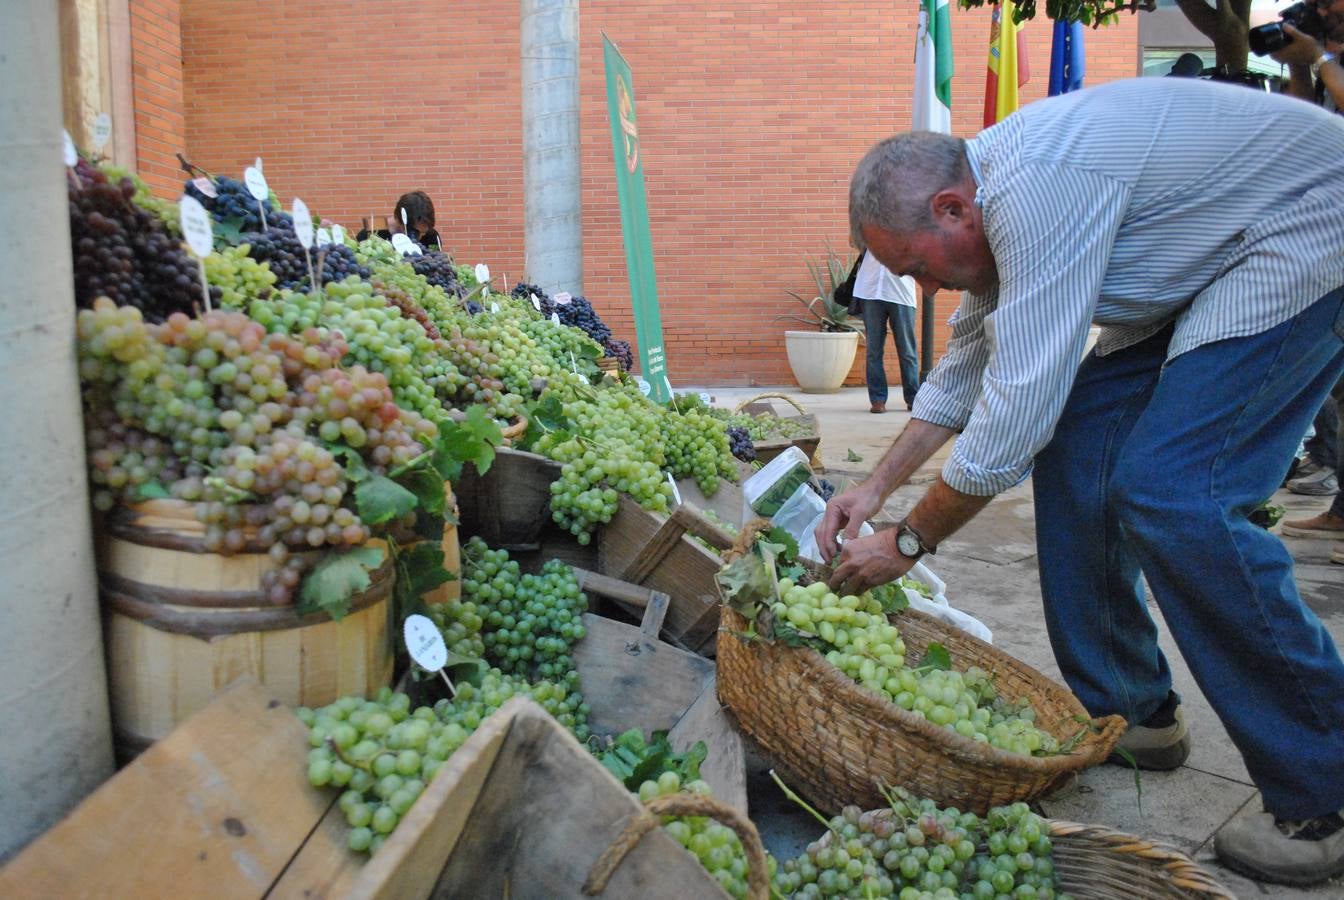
[[990, 567]]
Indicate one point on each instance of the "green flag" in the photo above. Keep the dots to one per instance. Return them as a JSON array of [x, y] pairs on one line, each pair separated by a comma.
[[933, 69], [635, 222]]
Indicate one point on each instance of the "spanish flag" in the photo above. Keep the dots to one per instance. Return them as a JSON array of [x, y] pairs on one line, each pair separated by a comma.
[[1007, 64]]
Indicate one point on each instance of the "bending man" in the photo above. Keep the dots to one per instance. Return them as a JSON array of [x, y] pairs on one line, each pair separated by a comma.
[[1143, 206]]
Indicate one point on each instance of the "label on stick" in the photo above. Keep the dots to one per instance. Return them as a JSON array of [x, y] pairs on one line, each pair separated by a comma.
[[303, 223], [425, 643], [256, 183], [196, 226], [403, 244], [323, 237], [205, 186], [337, 234], [102, 130]]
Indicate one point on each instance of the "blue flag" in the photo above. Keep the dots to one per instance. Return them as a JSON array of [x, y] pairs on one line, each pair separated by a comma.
[[1067, 64]]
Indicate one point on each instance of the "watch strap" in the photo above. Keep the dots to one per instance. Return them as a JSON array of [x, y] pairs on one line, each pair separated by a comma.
[[1321, 60]]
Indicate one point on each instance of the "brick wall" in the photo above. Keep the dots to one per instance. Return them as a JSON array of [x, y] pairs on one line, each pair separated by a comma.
[[752, 116], [160, 119]]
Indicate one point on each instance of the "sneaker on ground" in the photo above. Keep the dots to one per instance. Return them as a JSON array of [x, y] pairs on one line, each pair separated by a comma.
[[1282, 851], [1322, 483], [1326, 525], [1160, 743]]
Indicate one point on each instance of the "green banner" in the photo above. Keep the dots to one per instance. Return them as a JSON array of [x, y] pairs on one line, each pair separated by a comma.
[[635, 222]]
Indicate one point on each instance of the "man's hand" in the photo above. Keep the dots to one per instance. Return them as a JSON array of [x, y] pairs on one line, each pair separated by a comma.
[[1301, 50], [869, 561], [848, 511]]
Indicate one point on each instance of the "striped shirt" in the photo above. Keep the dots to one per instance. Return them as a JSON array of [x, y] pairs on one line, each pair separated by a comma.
[[1130, 205]]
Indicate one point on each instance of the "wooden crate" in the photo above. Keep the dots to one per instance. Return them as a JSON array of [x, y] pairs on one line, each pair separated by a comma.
[[768, 450], [510, 505], [631, 679], [653, 550]]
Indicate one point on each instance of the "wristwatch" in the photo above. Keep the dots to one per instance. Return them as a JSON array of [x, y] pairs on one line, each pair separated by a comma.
[[910, 543], [1320, 61]]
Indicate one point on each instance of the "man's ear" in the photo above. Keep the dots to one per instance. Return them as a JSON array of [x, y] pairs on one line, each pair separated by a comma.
[[950, 205]]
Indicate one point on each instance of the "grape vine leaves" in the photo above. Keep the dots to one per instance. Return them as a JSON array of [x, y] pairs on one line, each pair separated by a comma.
[[337, 578]]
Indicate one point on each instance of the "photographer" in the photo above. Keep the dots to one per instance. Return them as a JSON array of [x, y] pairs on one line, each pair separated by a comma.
[[1314, 68]]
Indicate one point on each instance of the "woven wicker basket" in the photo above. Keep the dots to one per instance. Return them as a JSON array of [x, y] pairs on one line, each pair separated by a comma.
[[836, 741], [1093, 862]]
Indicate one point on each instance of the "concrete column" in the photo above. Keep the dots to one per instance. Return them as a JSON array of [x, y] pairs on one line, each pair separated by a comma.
[[56, 745], [553, 206]]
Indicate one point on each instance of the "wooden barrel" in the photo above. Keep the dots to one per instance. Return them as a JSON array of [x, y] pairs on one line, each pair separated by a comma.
[[181, 624]]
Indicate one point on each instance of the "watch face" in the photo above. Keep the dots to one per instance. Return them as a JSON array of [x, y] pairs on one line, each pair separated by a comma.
[[907, 543]]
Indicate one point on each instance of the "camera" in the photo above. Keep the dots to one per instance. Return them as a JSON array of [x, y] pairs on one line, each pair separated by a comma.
[[1269, 38]]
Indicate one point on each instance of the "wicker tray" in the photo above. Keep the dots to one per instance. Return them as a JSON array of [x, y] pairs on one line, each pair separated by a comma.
[[836, 741], [1093, 862]]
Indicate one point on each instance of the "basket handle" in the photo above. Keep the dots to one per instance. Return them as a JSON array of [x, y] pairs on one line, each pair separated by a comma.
[[683, 804], [1109, 730], [785, 397], [514, 431]]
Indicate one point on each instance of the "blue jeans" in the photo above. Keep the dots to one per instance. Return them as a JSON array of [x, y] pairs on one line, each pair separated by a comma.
[[876, 315], [1152, 472]]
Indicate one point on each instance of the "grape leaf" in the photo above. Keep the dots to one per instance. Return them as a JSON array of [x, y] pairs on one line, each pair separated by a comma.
[[419, 571], [936, 657], [150, 490], [427, 486], [350, 460], [473, 440], [334, 581], [851, 456], [788, 551], [379, 499], [746, 583]]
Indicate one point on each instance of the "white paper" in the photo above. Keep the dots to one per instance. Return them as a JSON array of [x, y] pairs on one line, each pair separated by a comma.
[[256, 183], [644, 387], [205, 186], [303, 222], [323, 237], [102, 130], [555, 319], [564, 298], [337, 234], [494, 306], [68, 152], [425, 643], [196, 225], [706, 399], [482, 273], [403, 244], [536, 302]]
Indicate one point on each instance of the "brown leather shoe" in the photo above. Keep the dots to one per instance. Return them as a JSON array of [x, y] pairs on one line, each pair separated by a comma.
[[1326, 525], [878, 408]]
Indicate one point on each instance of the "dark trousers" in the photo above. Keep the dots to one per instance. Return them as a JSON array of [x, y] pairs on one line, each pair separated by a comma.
[[876, 316]]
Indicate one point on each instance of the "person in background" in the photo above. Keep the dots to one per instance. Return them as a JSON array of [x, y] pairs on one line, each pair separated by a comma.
[[1328, 525], [418, 212], [1314, 71], [887, 299], [1222, 302]]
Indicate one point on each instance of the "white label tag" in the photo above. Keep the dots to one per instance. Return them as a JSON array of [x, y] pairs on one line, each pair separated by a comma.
[[644, 387], [563, 298], [205, 186], [303, 223], [256, 163], [668, 382], [536, 302], [256, 183], [582, 377], [404, 223], [337, 234], [494, 306], [706, 399], [323, 237], [68, 152], [555, 319], [102, 130], [196, 225], [676, 492], [425, 643], [402, 243], [482, 273]]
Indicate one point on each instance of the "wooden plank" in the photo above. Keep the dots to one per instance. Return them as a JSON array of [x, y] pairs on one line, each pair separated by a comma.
[[216, 809], [659, 544], [409, 863], [654, 613], [631, 681], [725, 768], [546, 814], [631, 595], [510, 504]]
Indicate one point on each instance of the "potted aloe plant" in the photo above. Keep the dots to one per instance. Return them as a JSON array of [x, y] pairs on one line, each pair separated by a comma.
[[822, 356]]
